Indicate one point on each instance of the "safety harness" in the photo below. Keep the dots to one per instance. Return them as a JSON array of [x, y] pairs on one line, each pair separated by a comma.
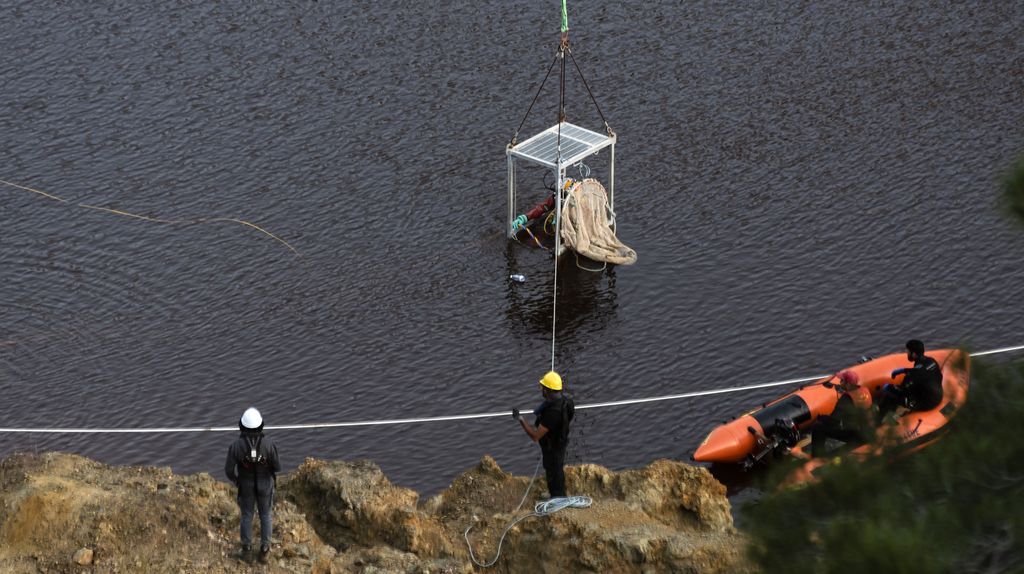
[[255, 456], [254, 459]]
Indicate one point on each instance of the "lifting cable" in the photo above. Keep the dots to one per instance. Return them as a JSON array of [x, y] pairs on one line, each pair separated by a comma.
[[515, 136], [496, 414], [554, 296], [558, 178], [592, 98], [564, 48], [545, 507]]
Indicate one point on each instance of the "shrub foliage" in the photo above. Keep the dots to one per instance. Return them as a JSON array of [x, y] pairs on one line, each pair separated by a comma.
[[956, 506]]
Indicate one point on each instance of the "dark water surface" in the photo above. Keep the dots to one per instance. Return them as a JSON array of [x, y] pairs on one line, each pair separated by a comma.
[[804, 183]]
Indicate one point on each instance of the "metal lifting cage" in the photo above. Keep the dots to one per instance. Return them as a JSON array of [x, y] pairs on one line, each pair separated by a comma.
[[557, 148]]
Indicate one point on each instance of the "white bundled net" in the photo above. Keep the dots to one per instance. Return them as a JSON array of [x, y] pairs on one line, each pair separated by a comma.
[[586, 228]]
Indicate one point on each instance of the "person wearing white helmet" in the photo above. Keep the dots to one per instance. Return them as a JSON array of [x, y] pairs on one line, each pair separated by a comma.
[[252, 465], [551, 430]]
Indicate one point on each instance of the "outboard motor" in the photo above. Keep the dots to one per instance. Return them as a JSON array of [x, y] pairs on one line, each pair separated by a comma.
[[781, 436]]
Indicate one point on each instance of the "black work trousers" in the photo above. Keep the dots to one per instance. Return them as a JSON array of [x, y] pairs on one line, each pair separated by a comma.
[[248, 501], [554, 470], [916, 398], [831, 427]]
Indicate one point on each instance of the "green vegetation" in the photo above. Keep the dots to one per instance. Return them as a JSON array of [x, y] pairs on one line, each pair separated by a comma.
[[1013, 190], [956, 506]]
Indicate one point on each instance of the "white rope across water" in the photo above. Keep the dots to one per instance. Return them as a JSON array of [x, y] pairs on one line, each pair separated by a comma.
[[997, 351], [407, 421]]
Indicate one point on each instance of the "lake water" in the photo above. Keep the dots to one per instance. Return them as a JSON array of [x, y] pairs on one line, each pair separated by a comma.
[[804, 184]]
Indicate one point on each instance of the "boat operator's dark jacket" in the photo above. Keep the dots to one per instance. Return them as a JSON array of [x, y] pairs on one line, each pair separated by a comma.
[[253, 476], [923, 384]]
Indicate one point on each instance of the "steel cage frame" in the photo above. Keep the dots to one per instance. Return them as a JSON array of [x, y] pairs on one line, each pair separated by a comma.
[[546, 150]]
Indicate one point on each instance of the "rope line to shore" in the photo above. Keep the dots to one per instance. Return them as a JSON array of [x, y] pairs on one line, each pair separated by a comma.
[[405, 421], [155, 219]]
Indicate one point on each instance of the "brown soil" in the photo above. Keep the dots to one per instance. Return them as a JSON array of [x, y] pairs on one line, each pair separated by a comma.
[[65, 513]]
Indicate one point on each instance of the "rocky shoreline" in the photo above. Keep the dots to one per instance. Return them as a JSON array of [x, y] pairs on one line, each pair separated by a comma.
[[65, 513]]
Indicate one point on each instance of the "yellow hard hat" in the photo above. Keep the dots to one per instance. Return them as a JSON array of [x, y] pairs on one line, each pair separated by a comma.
[[552, 381]]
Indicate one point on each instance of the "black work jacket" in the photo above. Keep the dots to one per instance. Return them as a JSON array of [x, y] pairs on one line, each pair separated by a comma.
[[924, 379], [248, 475], [555, 414]]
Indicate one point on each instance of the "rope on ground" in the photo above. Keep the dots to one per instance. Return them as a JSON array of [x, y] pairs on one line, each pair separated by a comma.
[[501, 541], [553, 505], [156, 219], [496, 414], [541, 508], [465, 534], [536, 469]]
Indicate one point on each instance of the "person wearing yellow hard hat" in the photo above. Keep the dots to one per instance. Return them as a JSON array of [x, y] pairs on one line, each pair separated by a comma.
[[551, 430]]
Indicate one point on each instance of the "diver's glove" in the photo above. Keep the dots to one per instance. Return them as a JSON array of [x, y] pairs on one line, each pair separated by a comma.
[[897, 373]]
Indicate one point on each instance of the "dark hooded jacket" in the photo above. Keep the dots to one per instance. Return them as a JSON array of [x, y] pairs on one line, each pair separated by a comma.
[[555, 414], [252, 474]]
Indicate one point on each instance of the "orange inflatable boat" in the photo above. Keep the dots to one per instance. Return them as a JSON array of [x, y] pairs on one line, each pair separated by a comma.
[[779, 425]]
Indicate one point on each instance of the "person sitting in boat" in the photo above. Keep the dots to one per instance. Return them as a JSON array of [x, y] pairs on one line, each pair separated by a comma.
[[849, 421], [922, 384]]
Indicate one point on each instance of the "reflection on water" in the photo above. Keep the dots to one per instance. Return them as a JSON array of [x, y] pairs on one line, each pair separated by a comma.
[[587, 304], [735, 478], [778, 169], [586, 299]]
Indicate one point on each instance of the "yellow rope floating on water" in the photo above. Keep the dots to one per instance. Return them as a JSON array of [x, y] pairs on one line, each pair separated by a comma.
[[155, 219]]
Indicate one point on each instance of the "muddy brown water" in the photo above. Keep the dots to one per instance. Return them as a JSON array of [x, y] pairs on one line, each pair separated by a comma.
[[804, 183]]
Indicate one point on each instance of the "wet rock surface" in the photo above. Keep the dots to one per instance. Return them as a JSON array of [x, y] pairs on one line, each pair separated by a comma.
[[65, 513]]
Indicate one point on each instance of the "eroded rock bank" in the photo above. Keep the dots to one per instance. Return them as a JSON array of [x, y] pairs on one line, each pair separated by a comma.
[[65, 513]]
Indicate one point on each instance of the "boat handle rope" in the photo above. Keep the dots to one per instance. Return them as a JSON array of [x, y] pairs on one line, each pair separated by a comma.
[[407, 421]]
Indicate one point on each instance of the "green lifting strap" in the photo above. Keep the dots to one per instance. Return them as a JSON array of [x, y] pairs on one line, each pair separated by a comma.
[[565, 18]]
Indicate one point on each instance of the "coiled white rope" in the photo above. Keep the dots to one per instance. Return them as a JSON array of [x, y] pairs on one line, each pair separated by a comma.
[[542, 508], [545, 507], [407, 421], [553, 505]]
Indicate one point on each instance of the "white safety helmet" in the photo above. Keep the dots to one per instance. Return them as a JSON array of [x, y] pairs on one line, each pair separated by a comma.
[[251, 420]]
